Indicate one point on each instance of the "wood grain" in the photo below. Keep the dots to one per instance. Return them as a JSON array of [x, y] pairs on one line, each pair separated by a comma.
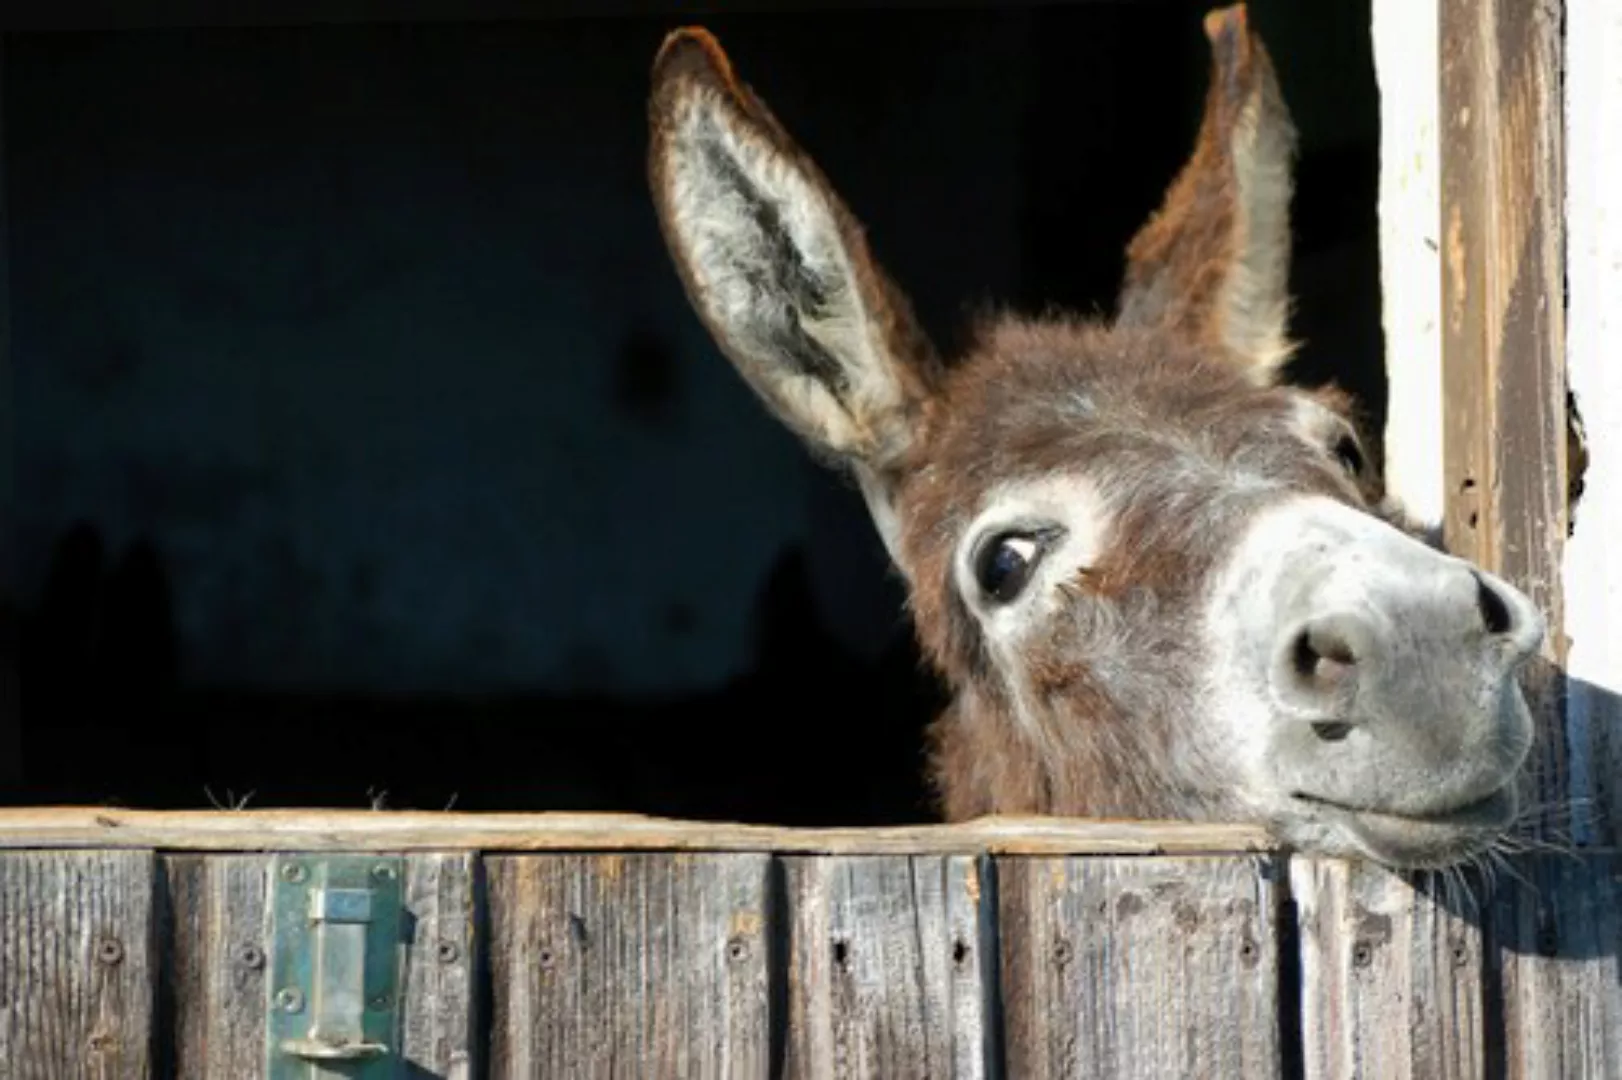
[[1139, 967], [78, 971], [889, 967], [1391, 979], [440, 1028], [216, 948], [344, 830], [1556, 949], [629, 965], [1503, 173], [1503, 334]]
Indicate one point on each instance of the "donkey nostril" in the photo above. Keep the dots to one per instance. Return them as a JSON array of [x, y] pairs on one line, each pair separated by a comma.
[[1323, 656], [1331, 730], [1494, 612], [1306, 657]]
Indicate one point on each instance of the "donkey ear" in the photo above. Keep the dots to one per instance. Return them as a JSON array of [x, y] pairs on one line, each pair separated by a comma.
[[777, 267], [1214, 262]]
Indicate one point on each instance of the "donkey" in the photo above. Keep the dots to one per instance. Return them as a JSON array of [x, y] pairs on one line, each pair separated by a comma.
[[1158, 580]]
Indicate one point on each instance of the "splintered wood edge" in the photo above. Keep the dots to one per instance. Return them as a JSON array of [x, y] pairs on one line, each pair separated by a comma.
[[387, 830]]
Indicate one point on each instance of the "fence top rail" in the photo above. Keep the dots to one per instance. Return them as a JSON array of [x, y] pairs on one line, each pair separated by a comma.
[[393, 830]]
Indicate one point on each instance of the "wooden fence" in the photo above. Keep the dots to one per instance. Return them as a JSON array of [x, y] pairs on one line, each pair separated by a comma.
[[140, 945]]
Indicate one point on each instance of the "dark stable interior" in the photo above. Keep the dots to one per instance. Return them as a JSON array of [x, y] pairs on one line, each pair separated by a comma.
[[362, 449]]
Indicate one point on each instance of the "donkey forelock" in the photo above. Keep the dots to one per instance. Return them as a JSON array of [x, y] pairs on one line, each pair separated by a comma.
[[1160, 581]]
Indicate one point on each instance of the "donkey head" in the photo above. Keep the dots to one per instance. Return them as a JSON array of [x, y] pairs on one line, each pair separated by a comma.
[[1160, 581]]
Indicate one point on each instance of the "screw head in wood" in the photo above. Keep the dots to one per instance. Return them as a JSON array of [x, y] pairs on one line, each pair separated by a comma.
[[448, 952], [251, 956], [110, 951]]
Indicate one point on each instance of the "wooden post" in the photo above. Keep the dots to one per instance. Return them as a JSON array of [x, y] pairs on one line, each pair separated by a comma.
[[1549, 950], [1503, 327]]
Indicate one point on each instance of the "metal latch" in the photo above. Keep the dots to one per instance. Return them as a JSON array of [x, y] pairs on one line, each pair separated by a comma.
[[334, 982]]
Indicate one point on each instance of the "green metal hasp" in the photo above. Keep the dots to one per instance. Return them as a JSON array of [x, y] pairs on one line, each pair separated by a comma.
[[336, 951]]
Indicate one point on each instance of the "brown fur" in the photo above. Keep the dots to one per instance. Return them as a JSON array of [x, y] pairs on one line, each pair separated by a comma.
[[1161, 407]]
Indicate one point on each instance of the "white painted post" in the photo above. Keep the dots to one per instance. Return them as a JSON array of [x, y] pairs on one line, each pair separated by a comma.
[[1405, 57]]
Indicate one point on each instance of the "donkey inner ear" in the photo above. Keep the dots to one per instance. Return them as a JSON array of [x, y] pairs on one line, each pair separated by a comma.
[[777, 267], [1214, 262]]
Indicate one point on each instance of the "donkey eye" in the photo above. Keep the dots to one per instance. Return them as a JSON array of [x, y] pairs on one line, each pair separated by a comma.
[[1005, 564], [1350, 455]]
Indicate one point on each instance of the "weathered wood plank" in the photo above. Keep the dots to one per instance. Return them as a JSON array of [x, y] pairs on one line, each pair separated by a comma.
[[1593, 574], [1139, 967], [1396, 983], [1556, 947], [1391, 979], [216, 938], [78, 974], [889, 967], [1503, 335], [440, 1024], [406, 831], [629, 964], [1503, 171]]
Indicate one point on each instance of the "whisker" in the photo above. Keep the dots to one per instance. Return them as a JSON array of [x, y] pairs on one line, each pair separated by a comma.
[[1502, 853], [1453, 888], [1473, 902], [1508, 867], [1486, 873]]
